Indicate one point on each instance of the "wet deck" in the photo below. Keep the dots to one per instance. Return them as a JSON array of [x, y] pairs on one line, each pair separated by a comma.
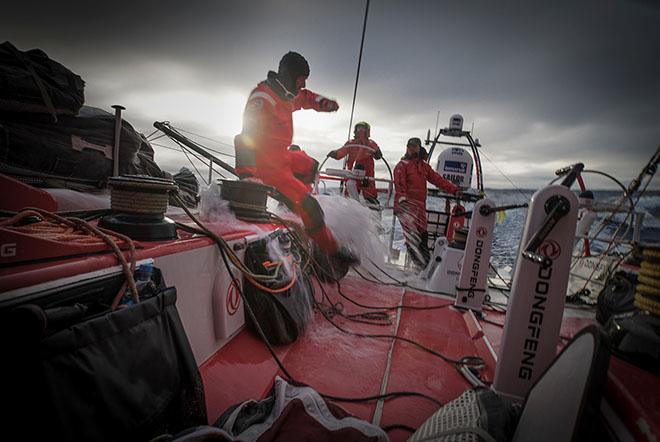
[[325, 358], [340, 364]]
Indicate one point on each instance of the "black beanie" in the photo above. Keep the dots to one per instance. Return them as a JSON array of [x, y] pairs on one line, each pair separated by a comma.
[[293, 65]]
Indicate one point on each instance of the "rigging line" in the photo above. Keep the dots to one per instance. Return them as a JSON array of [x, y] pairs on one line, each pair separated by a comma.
[[166, 147], [357, 78], [634, 185], [151, 134], [219, 152], [506, 283], [357, 75], [201, 146], [506, 177], [206, 147], [201, 160], [156, 138], [178, 150], [193, 164], [203, 137], [640, 194]]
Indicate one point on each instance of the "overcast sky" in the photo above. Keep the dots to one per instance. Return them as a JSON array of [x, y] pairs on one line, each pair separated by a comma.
[[545, 83]]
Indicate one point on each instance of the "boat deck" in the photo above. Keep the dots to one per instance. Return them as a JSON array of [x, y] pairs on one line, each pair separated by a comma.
[[239, 367], [340, 364]]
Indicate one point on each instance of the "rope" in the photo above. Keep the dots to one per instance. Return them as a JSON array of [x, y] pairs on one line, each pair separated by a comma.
[[138, 202], [467, 361], [143, 195], [506, 177], [228, 255], [191, 163], [647, 291], [357, 75], [175, 135], [209, 139], [56, 233], [634, 185], [253, 278]]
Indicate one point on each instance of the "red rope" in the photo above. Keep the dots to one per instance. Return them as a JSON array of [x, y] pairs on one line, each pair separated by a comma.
[[78, 231]]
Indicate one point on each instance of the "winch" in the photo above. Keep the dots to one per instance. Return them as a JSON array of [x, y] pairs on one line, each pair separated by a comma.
[[247, 199], [138, 207]]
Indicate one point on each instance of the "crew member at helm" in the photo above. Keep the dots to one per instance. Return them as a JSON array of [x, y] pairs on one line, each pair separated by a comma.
[[261, 148], [410, 177], [361, 151]]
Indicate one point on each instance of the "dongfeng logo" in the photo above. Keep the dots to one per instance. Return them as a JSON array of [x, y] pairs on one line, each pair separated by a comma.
[[550, 248], [8, 250], [482, 231], [233, 299]]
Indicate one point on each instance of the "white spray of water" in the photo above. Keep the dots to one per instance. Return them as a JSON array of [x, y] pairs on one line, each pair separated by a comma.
[[355, 227], [214, 209]]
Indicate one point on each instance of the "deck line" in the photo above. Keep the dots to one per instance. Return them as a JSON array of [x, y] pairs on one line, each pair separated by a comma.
[[378, 411]]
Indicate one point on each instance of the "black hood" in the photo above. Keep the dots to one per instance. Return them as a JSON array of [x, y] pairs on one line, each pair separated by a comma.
[[278, 86]]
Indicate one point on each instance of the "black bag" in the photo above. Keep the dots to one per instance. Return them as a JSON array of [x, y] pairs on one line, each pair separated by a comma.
[[75, 147], [616, 297], [125, 375], [282, 316], [31, 82]]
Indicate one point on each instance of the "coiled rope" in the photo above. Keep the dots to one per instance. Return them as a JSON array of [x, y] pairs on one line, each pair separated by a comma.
[[140, 195], [647, 291], [57, 228]]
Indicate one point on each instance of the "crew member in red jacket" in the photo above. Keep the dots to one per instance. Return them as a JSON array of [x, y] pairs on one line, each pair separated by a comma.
[[410, 178], [262, 147], [303, 166], [361, 152]]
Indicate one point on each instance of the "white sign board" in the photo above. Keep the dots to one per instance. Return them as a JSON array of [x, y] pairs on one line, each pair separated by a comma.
[[455, 164]]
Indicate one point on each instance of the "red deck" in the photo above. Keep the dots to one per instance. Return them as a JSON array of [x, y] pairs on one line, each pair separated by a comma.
[[339, 364], [342, 365]]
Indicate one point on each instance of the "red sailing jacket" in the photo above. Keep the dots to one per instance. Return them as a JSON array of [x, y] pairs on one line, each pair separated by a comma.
[[359, 155], [410, 177], [268, 126]]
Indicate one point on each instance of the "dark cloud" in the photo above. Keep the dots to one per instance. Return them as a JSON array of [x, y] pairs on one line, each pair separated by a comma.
[[543, 82]]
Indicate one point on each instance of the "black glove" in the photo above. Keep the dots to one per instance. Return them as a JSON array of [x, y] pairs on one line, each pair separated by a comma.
[[332, 154], [378, 154], [365, 182]]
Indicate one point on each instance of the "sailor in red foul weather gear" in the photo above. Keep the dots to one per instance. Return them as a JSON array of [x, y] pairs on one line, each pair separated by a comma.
[[261, 148], [303, 166], [410, 178], [361, 151]]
